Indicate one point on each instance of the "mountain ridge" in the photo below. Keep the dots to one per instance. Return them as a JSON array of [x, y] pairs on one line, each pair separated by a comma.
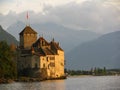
[[101, 52], [5, 36], [68, 38]]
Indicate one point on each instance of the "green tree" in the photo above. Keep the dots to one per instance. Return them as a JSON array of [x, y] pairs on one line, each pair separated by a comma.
[[7, 65], [104, 71]]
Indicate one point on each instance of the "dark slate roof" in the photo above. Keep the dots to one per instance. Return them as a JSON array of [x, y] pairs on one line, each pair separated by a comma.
[[44, 51], [40, 52], [28, 30], [42, 47], [47, 51], [38, 42], [56, 46]]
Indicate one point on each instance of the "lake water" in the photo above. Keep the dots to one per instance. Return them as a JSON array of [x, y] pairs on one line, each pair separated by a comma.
[[71, 83]]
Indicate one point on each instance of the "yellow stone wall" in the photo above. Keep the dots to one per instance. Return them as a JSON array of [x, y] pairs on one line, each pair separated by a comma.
[[59, 63], [53, 64], [45, 63], [27, 40]]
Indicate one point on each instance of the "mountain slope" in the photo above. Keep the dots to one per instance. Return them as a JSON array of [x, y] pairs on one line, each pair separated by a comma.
[[7, 37], [68, 38], [104, 51]]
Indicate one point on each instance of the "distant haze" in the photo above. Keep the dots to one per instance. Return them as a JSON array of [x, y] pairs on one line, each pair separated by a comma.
[[102, 52]]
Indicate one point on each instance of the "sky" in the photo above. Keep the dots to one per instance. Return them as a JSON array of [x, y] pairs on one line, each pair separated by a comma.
[[100, 16], [35, 5]]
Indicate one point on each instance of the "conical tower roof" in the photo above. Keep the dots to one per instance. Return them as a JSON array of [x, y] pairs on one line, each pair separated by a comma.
[[27, 30]]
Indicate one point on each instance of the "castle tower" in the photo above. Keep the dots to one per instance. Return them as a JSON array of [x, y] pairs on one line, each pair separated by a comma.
[[27, 37]]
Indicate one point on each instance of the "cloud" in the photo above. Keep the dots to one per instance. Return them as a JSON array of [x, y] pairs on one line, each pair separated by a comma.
[[22, 5], [90, 15], [96, 15]]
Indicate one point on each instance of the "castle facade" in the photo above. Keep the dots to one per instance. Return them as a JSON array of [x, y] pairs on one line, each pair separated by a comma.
[[38, 57]]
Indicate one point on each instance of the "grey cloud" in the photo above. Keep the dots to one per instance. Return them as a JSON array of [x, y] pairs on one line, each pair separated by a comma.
[[90, 15]]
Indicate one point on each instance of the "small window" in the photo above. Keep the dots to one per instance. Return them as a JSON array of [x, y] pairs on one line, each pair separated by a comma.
[[47, 59], [52, 64], [36, 66], [62, 64], [52, 58], [44, 65], [48, 66]]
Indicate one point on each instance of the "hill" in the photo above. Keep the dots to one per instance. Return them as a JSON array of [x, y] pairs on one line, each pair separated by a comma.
[[68, 38], [102, 52], [7, 37]]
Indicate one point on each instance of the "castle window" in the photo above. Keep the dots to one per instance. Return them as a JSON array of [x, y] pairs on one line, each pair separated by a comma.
[[52, 64], [36, 66], [62, 64], [48, 66], [44, 65], [47, 59], [52, 58]]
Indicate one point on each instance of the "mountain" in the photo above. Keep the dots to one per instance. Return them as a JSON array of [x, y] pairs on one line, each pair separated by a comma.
[[102, 52], [7, 37], [68, 38]]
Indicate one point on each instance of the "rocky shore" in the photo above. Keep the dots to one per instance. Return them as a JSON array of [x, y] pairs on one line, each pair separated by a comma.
[[28, 79], [5, 81]]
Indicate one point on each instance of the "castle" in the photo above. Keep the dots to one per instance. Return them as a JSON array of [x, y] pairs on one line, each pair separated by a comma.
[[38, 57]]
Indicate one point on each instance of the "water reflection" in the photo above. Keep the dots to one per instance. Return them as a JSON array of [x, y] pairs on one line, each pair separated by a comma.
[[53, 85], [45, 85], [72, 83]]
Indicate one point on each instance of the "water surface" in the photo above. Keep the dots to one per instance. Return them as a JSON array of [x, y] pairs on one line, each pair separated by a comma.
[[72, 83]]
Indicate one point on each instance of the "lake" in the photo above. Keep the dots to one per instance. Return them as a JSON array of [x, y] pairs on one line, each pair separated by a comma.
[[71, 83]]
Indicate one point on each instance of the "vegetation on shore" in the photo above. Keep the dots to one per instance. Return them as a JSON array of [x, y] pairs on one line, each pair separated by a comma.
[[7, 64], [94, 72]]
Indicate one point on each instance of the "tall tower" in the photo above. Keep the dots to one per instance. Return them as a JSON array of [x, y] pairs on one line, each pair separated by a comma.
[[27, 37]]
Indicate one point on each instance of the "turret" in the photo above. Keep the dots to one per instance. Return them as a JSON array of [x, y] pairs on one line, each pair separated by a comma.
[[27, 37]]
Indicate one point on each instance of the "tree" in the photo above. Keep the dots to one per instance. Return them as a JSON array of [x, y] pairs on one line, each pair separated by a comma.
[[7, 65], [104, 71]]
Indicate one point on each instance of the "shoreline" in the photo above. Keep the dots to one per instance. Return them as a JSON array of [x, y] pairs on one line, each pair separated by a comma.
[[28, 79], [6, 81], [89, 75]]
